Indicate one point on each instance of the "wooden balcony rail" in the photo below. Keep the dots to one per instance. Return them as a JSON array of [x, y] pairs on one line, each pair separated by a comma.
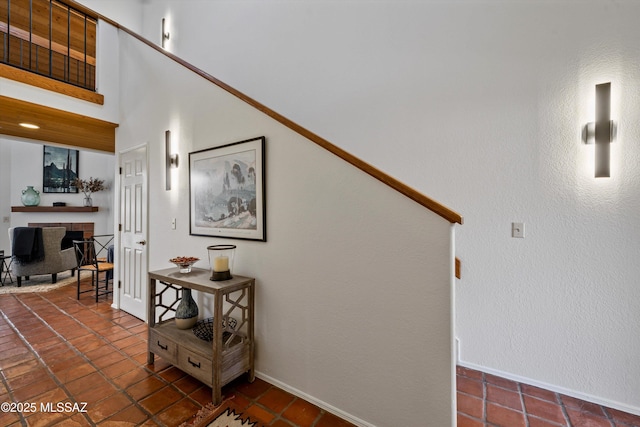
[[49, 38]]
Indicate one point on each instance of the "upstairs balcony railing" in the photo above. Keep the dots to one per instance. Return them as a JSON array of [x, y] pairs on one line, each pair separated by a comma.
[[49, 38]]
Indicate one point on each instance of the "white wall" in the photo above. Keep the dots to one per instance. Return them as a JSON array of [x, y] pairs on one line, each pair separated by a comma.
[[25, 160], [19, 157], [480, 105], [5, 194], [354, 283], [127, 13]]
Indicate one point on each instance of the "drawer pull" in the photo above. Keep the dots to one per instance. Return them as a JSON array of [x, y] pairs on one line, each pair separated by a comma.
[[195, 365], [163, 347]]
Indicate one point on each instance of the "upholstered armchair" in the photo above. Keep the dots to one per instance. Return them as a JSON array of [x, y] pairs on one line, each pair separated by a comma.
[[55, 260]]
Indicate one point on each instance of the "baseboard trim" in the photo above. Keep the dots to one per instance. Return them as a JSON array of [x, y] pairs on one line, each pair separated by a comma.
[[557, 389], [319, 403]]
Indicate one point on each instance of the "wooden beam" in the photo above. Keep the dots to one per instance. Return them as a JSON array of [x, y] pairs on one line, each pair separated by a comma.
[[33, 79], [56, 126]]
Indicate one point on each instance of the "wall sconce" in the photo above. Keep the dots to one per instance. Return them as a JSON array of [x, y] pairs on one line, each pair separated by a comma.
[[165, 34], [171, 160], [602, 131]]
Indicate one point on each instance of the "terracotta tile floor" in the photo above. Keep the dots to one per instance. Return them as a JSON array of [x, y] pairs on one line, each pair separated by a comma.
[[55, 349], [487, 400]]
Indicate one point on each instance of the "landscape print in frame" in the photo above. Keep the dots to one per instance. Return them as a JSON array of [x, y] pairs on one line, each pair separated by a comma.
[[59, 170], [227, 191]]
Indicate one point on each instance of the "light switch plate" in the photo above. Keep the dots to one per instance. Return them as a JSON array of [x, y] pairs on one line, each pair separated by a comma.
[[517, 230]]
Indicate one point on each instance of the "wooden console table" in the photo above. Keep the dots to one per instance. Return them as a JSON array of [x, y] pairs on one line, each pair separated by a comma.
[[231, 352]]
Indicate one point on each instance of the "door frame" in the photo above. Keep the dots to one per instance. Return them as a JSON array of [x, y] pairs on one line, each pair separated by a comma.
[[118, 220]]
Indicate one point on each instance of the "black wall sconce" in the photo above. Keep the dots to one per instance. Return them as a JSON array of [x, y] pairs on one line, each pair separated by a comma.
[[171, 160], [165, 34], [602, 131]]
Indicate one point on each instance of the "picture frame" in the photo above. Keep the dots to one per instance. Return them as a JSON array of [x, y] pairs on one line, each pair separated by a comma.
[[227, 191], [59, 169]]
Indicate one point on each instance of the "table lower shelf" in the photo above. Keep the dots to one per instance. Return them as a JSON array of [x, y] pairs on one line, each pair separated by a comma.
[[194, 356]]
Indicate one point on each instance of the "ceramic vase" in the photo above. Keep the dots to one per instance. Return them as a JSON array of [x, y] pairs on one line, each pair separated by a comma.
[[30, 196], [187, 311]]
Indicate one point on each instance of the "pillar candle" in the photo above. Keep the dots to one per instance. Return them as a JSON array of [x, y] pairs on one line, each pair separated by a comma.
[[221, 263]]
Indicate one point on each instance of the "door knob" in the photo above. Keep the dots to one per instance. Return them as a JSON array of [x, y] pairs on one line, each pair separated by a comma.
[[142, 242]]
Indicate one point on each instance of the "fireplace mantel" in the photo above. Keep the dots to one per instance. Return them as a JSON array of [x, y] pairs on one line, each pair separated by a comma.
[[54, 209]]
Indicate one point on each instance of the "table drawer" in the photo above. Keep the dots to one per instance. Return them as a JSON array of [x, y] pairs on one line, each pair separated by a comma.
[[196, 365], [163, 347]]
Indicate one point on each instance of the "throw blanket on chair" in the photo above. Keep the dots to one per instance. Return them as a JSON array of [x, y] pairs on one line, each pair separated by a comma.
[[28, 245]]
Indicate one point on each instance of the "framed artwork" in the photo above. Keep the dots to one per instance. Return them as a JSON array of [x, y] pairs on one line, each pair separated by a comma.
[[59, 170], [227, 191]]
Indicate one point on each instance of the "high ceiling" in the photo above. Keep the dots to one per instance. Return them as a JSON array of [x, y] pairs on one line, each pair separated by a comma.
[[55, 126]]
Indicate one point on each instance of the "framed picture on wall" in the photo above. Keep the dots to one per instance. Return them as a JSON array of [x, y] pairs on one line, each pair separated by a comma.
[[59, 170], [227, 191]]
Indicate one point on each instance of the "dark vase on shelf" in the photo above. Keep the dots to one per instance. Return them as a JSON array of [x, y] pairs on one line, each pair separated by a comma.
[[187, 311]]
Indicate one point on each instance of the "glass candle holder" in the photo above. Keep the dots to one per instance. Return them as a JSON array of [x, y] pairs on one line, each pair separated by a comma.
[[221, 261]]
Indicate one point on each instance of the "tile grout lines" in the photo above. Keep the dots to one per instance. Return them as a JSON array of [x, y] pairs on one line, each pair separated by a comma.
[[484, 399], [255, 401], [39, 359], [157, 371], [537, 406], [5, 381], [68, 344], [79, 353], [524, 406], [98, 369], [279, 416], [560, 403]]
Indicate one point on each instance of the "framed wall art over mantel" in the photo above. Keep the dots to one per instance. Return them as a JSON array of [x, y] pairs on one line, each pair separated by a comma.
[[227, 191], [59, 169]]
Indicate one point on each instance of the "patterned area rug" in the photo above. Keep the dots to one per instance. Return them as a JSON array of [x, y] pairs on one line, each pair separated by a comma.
[[224, 415], [41, 283]]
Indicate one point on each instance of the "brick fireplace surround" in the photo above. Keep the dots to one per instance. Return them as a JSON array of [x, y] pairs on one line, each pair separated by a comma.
[[85, 227]]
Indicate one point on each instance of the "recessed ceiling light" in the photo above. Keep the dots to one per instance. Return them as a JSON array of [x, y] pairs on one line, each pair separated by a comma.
[[29, 126]]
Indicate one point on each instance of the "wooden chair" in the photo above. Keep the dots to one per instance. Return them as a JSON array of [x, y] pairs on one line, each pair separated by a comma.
[[88, 260]]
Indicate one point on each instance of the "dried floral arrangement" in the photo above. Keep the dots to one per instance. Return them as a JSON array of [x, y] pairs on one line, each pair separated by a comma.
[[88, 186]]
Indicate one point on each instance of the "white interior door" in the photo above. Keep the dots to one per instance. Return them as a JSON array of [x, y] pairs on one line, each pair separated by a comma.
[[133, 235]]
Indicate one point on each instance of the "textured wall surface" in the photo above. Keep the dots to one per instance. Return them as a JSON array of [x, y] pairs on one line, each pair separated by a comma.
[[479, 105], [354, 283]]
